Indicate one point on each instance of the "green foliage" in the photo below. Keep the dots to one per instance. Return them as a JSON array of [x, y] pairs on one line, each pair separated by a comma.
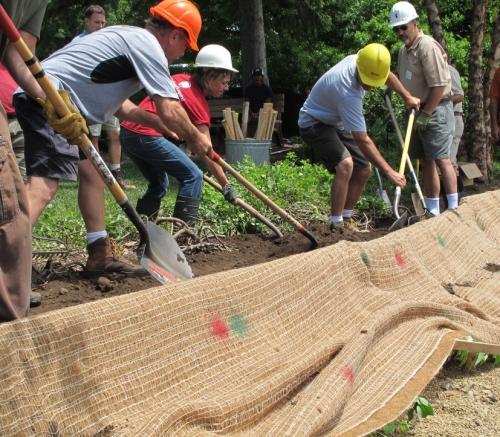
[[474, 360], [419, 410]]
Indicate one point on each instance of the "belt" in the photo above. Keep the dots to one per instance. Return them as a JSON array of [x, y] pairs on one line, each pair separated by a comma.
[[443, 100], [458, 113], [11, 115]]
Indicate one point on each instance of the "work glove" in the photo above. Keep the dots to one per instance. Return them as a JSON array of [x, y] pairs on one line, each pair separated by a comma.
[[230, 194], [422, 121], [72, 125]]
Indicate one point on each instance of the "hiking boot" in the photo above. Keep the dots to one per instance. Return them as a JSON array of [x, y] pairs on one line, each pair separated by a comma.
[[119, 178], [148, 207], [103, 259], [186, 209], [35, 299]]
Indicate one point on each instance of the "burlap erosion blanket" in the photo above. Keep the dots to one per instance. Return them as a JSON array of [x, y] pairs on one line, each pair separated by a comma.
[[337, 341]]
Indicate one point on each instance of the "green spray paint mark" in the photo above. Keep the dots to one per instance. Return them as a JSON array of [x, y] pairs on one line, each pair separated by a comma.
[[238, 325], [441, 242], [364, 257]]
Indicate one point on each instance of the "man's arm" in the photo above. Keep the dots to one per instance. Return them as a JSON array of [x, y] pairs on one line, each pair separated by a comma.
[[395, 84], [18, 70], [435, 96], [175, 116], [367, 146], [131, 112]]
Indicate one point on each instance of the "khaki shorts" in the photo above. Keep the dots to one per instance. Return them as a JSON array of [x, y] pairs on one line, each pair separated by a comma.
[[330, 146], [111, 125], [435, 141]]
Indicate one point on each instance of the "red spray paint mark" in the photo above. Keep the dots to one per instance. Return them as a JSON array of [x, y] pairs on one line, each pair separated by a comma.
[[348, 374], [220, 329], [400, 261]]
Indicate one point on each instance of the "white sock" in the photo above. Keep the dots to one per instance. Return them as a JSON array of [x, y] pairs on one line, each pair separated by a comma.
[[336, 219], [114, 167], [432, 205], [347, 213], [452, 200], [92, 237]]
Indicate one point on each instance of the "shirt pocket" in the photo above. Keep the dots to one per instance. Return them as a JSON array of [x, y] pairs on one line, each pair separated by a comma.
[[9, 203]]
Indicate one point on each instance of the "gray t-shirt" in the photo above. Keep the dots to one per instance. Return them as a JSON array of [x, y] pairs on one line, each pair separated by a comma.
[[336, 99], [456, 88], [104, 68]]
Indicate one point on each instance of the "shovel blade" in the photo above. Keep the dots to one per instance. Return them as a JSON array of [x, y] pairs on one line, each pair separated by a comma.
[[400, 222], [417, 204], [164, 259], [382, 194]]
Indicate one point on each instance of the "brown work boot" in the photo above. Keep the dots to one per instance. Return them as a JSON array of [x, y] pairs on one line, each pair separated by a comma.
[[103, 259], [119, 178]]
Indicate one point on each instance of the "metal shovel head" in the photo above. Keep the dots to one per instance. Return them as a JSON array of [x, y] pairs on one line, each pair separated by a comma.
[[164, 259], [400, 222], [382, 194], [417, 204]]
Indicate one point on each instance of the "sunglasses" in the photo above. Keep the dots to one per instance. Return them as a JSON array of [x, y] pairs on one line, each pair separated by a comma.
[[396, 29]]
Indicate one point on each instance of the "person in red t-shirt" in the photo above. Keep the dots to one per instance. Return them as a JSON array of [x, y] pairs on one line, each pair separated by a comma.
[[495, 106], [157, 157]]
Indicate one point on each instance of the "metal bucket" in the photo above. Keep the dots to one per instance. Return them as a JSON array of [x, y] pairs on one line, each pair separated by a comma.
[[258, 150]]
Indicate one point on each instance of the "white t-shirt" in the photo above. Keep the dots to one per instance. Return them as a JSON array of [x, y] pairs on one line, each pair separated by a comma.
[[336, 99], [104, 68]]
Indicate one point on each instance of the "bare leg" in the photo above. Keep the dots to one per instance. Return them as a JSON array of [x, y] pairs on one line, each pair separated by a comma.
[[91, 197], [431, 178], [114, 147], [448, 175], [40, 193], [340, 185], [357, 185]]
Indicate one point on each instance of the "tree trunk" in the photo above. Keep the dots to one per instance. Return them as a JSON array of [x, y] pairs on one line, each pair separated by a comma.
[[435, 23], [477, 146], [252, 37], [490, 72]]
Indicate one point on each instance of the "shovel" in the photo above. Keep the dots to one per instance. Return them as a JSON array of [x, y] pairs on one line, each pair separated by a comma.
[[162, 257], [401, 220], [382, 194], [252, 211], [417, 199], [266, 200]]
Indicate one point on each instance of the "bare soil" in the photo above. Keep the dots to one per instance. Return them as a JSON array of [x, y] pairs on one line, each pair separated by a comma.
[[465, 402]]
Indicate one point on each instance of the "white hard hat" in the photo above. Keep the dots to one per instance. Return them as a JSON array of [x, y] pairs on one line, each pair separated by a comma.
[[214, 56], [402, 13]]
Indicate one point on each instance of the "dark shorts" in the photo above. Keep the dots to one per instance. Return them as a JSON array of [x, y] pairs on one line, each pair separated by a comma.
[[47, 153], [330, 146]]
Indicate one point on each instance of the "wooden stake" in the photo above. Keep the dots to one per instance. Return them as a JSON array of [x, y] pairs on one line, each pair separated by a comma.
[[244, 118], [476, 346]]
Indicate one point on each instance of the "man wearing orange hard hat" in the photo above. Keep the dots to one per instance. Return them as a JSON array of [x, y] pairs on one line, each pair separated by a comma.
[[99, 83]]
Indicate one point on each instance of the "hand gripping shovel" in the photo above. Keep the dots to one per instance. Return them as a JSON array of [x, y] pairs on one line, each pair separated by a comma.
[[401, 220], [260, 195], [419, 204], [162, 258], [252, 211]]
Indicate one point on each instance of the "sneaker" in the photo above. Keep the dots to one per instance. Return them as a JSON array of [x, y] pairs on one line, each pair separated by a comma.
[[103, 259], [35, 299], [351, 225], [119, 178]]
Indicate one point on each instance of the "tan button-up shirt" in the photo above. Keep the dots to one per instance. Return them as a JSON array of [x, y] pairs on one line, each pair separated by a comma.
[[424, 66]]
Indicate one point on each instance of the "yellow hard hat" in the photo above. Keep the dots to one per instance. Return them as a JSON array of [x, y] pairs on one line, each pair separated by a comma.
[[373, 63]]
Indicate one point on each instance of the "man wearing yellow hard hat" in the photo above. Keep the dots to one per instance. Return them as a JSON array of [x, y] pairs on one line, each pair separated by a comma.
[[331, 121]]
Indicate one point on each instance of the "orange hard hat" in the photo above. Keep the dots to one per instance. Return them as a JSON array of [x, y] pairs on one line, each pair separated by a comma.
[[183, 14]]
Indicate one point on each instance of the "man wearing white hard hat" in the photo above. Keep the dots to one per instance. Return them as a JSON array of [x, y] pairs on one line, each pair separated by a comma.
[[158, 157], [424, 72]]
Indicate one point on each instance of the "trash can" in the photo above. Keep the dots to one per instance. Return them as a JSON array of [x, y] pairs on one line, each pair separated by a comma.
[[258, 150]]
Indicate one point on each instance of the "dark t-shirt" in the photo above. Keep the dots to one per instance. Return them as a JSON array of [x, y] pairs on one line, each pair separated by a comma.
[[257, 95]]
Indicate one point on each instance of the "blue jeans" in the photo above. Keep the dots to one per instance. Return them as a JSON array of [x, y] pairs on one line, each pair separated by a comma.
[[155, 157]]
